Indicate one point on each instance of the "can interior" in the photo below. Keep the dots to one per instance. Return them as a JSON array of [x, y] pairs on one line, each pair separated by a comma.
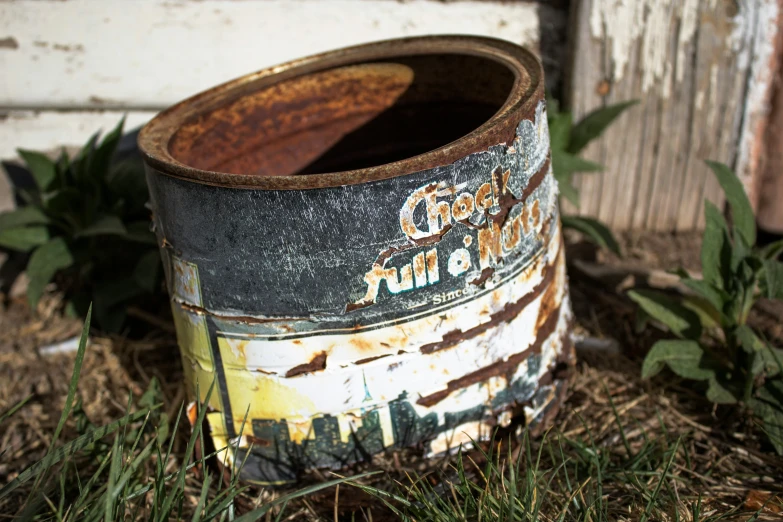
[[347, 117]]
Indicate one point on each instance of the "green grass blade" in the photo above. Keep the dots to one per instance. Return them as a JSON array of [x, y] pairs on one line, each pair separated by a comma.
[[114, 472], [13, 409], [202, 499], [71, 448], [657, 490], [256, 514]]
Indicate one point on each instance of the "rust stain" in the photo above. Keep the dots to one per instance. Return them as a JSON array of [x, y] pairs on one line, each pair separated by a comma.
[[9, 42], [549, 300], [535, 212], [245, 155], [506, 367], [318, 363], [603, 88], [361, 344], [507, 201], [482, 278], [242, 318], [506, 314], [370, 359]]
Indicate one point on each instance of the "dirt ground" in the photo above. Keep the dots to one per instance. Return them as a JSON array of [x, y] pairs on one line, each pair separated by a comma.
[[729, 465]]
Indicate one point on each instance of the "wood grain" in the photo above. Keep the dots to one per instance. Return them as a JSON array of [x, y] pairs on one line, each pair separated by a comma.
[[688, 63]]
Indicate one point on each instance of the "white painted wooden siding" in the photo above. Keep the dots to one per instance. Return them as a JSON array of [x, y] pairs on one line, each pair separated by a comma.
[[139, 56]]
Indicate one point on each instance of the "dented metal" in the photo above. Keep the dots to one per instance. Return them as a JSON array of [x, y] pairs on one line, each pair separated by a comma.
[[420, 301]]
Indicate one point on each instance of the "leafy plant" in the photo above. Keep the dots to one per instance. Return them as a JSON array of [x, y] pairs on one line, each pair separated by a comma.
[[567, 140], [85, 225], [715, 344]]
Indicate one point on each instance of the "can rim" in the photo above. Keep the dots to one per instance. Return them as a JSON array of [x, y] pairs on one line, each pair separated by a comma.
[[500, 128]]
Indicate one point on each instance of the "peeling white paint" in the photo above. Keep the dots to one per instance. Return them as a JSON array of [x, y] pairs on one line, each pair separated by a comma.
[[152, 53], [649, 23]]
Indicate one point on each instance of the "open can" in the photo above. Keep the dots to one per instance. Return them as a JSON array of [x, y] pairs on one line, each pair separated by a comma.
[[363, 251]]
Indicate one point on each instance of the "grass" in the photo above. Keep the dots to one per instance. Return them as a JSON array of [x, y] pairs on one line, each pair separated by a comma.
[[562, 478], [89, 479], [100, 434]]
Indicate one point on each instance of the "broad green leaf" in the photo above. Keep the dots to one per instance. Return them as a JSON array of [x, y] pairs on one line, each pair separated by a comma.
[[769, 408], [41, 167], [740, 251], [715, 247], [565, 163], [751, 344], [147, 271], [714, 296], [101, 159], [771, 359], [681, 321], [139, 231], [709, 317], [63, 166], [741, 211], [767, 358], [552, 105], [773, 250], [559, 130], [746, 283], [594, 230], [685, 358], [111, 319], [81, 163], [568, 191], [773, 276], [127, 183], [748, 339], [24, 239], [720, 394], [64, 203], [107, 294], [22, 217], [594, 124], [45, 262], [106, 225]]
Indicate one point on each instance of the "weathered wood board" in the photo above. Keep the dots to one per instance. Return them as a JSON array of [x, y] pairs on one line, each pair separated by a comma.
[[148, 54], [700, 69], [68, 69]]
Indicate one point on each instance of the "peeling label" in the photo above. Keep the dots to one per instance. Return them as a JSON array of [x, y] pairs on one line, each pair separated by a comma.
[[338, 322]]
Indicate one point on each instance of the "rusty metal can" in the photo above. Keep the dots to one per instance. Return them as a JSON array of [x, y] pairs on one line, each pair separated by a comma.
[[363, 250]]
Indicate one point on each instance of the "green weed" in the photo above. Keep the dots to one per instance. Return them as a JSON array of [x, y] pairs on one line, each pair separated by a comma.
[[715, 344], [567, 140], [85, 225]]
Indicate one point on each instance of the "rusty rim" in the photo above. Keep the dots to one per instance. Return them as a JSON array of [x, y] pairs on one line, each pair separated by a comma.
[[155, 138]]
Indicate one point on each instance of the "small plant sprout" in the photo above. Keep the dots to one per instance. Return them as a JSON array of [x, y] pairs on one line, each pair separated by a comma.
[[715, 344], [567, 140]]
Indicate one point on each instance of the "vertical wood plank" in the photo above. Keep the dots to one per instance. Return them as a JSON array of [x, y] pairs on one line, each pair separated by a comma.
[[687, 62]]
